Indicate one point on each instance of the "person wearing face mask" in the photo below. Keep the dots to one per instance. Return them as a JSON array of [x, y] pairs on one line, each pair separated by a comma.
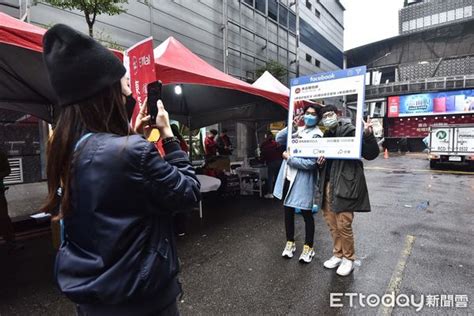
[[113, 191], [343, 189], [296, 184]]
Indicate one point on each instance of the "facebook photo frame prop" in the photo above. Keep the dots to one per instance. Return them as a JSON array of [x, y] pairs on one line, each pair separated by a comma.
[[326, 87]]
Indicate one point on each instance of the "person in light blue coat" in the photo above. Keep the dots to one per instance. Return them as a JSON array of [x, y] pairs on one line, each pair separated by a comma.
[[296, 184]]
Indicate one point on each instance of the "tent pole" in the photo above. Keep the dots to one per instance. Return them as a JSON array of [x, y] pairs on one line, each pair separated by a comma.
[[190, 140], [256, 138]]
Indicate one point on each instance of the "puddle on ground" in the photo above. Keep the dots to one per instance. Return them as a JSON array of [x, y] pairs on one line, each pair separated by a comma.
[[400, 171], [423, 206]]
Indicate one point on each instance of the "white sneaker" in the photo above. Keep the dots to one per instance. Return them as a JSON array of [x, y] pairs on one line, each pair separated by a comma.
[[346, 267], [307, 254], [268, 196], [332, 263], [289, 250]]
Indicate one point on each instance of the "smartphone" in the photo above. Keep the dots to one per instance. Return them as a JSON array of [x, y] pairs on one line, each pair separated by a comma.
[[154, 94]]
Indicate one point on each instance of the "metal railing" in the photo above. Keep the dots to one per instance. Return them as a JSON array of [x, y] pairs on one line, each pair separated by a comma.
[[24, 6], [421, 85]]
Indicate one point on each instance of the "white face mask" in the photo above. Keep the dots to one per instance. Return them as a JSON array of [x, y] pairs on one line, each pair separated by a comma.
[[329, 121]]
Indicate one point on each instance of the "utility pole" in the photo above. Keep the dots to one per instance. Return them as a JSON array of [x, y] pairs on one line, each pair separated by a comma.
[[297, 8], [297, 12], [224, 34]]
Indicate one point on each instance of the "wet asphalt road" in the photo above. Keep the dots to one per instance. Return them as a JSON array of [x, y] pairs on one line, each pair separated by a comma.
[[231, 260]]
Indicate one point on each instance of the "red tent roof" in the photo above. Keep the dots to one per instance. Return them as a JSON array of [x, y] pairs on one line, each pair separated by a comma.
[[177, 64], [24, 85], [21, 34]]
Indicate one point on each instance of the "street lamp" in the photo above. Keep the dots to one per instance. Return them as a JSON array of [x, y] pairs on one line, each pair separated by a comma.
[[376, 60]]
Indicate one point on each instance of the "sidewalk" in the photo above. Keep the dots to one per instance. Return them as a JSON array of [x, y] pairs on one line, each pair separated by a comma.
[[25, 199]]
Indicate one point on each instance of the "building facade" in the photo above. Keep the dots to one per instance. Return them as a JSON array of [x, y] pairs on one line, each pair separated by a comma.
[[424, 76], [417, 15], [235, 36]]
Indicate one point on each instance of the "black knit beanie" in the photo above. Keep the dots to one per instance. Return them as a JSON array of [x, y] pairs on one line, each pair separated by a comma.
[[78, 66]]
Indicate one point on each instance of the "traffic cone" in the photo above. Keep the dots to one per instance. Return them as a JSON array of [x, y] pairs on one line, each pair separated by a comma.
[[385, 154]]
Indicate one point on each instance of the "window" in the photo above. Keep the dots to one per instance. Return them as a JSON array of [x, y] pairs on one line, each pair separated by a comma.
[[435, 19], [427, 20], [273, 9], [317, 13], [261, 5], [250, 75], [292, 22], [468, 11], [308, 4], [317, 63], [283, 16], [249, 2], [318, 43], [405, 26], [459, 13], [309, 58], [451, 15], [442, 17], [419, 23]]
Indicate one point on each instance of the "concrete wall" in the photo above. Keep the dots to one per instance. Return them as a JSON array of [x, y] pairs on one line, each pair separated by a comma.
[[10, 7]]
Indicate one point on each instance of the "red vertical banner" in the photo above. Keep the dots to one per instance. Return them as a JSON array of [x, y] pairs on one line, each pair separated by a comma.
[[141, 65], [393, 106]]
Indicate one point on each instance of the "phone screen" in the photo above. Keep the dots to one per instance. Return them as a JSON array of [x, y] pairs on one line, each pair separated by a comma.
[[154, 94]]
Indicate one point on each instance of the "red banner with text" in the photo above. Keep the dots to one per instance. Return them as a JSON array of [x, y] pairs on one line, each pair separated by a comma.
[[141, 65]]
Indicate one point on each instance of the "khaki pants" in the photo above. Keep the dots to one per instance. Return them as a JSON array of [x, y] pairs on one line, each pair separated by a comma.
[[340, 226]]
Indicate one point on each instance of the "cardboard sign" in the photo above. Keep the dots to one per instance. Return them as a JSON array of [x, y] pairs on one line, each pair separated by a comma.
[[327, 87]]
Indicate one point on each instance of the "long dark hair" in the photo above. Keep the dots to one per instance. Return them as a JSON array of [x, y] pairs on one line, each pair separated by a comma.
[[102, 113]]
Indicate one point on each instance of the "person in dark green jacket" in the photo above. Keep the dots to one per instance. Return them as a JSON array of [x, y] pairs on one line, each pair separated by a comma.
[[343, 189]]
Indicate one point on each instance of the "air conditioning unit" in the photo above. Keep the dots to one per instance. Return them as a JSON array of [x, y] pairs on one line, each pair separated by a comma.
[[16, 174]]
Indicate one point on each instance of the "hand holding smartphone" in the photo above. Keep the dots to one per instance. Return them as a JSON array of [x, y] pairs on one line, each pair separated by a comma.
[[154, 94], [158, 115]]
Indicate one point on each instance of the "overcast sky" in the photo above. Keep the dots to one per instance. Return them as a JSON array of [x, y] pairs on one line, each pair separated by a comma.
[[367, 21]]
